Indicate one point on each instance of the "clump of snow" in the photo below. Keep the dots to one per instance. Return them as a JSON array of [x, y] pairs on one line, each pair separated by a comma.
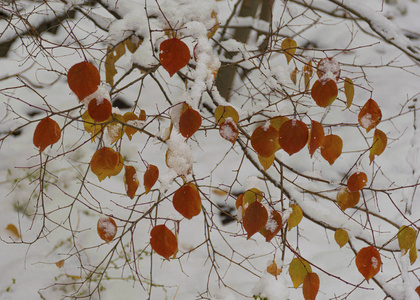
[[223, 294], [227, 131], [271, 288], [179, 156], [100, 94], [366, 121], [106, 227], [253, 182]]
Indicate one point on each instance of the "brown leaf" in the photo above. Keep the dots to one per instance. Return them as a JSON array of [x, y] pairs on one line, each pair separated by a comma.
[[83, 79], [331, 148], [107, 229], [60, 263], [324, 92], [264, 140], [310, 286], [293, 136], [47, 133], [173, 55], [357, 181], [131, 181], [189, 122], [370, 115], [316, 137], [347, 199], [187, 200], [255, 218], [163, 241], [368, 262], [150, 177]]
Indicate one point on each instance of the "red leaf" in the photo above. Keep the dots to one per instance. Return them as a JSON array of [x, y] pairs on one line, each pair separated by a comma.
[[316, 137], [47, 132], [370, 115], [324, 92], [310, 286], [272, 227], [130, 181], [173, 55], [150, 177], [163, 241], [331, 148], [357, 181], [187, 200], [99, 111], [83, 79], [228, 130], [107, 229], [368, 261], [255, 218], [264, 140], [189, 122], [293, 136]]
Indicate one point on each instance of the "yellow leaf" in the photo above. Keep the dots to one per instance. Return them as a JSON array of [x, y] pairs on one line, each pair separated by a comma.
[[413, 254], [252, 195], [295, 217], [223, 112], [341, 237], [406, 238], [297, 270], [289, 48], [378, 145], [116, 129], [349, 91], [12, 229], [112, 57], [266, 162]]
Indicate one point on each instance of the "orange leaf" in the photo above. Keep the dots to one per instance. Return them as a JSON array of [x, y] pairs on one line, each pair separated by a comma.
[[368, 261], [310, 286], [187, 200], [100, 111], [255, 218], [163, 241], [83, 79], [228, 130], [328, 68], [272, 227], [418, 290], [347, 199], [47, 132], [106, 162], [223, 112], [289, 48], [60, 263], [150, 177], [357, 181], [293, 136], [273, 269], [331, 148], [264, 140], [349, 91], [173, 55], [107, 229], [316, 137], [324, 92], [293, 76], [239, 201], [129, 131], [378, 145], [370, 115], [189, 122], [130, 181]]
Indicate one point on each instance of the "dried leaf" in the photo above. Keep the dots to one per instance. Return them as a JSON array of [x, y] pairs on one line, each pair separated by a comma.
[[264, 140], [173, 55], [316, 137], [60, 263], [370, 115], [107, 229], [295, 217], [106, 162], [293, 76], [298, 270], [349, 91], [347, 199], [47, 133], [368, 262], [341, 237], [83, 79], [150, 177], [187, 200], [273, 269], [331, 148], [310, 286], [255, 218], [357, 181], [131, 181], [163, 241], [378, 145], [324, 92], [293, 136], [289, 48]]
